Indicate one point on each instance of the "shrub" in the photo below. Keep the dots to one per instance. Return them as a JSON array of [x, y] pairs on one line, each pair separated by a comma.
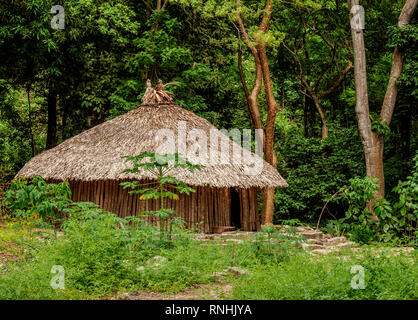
[[17, 236], [160, 165], [406, 209], [396, 224], [102, 254], [304, 277], [35, 196], [315, 169]]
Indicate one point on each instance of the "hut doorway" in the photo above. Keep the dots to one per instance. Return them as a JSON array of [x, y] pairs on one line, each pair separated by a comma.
[[235, 209]]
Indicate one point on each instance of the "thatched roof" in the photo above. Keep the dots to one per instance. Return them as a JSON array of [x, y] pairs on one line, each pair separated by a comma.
[[96, 154]]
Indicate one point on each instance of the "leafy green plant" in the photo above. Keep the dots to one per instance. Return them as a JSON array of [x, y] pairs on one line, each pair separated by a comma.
[[291, 222], [399, 223], [396, 224], [17, 236], [338, 227], [35, 196], [4, 175], [359, 193], [379, 126], [105, 256], [160, 166], [407, 206], [271, 244], [361, 233], [315, 169], [387, 276], [357, 217]]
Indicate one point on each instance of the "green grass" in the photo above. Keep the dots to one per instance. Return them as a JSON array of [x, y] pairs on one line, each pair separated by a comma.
[[101, 255], [304, 277]]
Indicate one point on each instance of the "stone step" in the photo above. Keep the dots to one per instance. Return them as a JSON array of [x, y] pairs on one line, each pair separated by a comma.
[[345, 244], [321, 252], [311, 246], [318, 235], [335, 240], [222, 229], [317, 241]]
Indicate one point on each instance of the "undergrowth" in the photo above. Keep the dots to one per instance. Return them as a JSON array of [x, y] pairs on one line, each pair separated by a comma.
[[103, 255]]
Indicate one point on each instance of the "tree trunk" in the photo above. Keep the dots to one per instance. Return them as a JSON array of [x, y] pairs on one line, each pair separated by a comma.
[[371, 150], [270, 156], [262, 75], [373, 144], [374, 168], [51, 137], [268, 201], [324, 130]]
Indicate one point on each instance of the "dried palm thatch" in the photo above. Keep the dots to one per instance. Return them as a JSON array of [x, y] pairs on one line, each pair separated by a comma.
[[157, 95], [96, 154]]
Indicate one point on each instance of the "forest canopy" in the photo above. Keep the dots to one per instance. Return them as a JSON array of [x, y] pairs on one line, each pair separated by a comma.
[[58, 82]]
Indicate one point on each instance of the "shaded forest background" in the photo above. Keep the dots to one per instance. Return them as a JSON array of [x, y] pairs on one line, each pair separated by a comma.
[[56, 83]]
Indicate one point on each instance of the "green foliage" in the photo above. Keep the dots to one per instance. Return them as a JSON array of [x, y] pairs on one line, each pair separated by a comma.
[[15, 129], [291, 222], [400, 222], [362, 234], [104, 255], [409, 78], [17, 237], [160, 165], [158, 47], [399, 37], [92, 251], [329, 278], [380, 127], [396, 225], [359, 193], [4, 176], [357, 221], [35, 196], [337, 228], [315, 169], [274, 246]]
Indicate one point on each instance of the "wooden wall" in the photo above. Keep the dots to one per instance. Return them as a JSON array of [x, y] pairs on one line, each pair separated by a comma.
[[206, 208], [250, 220]]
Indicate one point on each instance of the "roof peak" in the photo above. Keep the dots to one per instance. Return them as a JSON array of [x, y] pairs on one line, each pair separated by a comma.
[[157, 95]]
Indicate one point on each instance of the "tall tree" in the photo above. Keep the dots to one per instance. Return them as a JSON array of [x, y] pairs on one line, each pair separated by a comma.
[[258, 48], [372, 140], [257, 38]]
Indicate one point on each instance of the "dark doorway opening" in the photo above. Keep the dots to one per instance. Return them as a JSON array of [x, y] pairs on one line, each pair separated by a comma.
[[235, 209]]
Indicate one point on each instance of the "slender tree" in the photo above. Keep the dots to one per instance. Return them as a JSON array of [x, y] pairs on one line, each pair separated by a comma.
[[257, 47], [373, 141]]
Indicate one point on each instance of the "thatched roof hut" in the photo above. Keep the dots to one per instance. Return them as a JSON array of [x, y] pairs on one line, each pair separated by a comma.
[[92, 162]]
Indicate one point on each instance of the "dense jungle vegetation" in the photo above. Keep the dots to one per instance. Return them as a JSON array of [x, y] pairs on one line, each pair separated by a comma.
[[56, 83]]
